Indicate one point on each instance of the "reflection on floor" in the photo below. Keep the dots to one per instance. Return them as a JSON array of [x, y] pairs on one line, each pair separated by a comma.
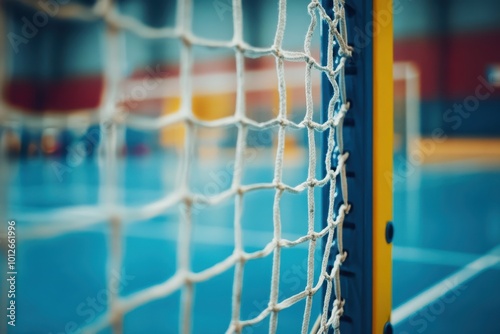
[[447, 254], [446, 257]]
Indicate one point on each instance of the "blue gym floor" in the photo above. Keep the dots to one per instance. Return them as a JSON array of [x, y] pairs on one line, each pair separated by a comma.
[[446, 216]]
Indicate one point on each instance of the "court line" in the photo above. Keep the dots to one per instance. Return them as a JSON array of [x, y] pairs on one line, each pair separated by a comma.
[[432, 256], [470, 271]]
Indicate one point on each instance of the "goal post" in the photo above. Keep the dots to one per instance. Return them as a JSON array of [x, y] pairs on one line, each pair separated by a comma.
[[382, 159], [368, 130]]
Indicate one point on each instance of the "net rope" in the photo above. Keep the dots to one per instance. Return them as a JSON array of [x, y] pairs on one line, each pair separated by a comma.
[[185, 279]]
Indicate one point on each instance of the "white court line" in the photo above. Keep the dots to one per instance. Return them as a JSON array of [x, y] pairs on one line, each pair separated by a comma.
[[474, 268], [432, 256]]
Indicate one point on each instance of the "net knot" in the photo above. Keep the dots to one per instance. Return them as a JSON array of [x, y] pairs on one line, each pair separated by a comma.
[[116, 315], [309, 60], [189, 122], [278, 53], [312, 183], [350, 49], [336, 304], [188, 201], [347, 207], [314, 236], [186, 40], [111, 22], [273, 308], [188, 280], [313, 5], [346, 51], [282, 122], [342, 257], [240, 47], [237, 326], [280, 186], [115, 221], [346, 106]]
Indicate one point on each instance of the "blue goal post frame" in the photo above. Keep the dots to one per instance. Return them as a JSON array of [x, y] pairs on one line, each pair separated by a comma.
[[368, 129]]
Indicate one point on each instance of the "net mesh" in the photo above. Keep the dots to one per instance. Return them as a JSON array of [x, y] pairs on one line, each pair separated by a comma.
[[185, 278]]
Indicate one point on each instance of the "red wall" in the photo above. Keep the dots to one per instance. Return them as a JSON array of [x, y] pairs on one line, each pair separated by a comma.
[[449, 66]]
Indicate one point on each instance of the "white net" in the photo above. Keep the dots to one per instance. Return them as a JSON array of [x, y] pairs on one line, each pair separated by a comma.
[[319, 274]]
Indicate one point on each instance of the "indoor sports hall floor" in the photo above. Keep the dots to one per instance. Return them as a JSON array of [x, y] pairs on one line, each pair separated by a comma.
[[446, 254]]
